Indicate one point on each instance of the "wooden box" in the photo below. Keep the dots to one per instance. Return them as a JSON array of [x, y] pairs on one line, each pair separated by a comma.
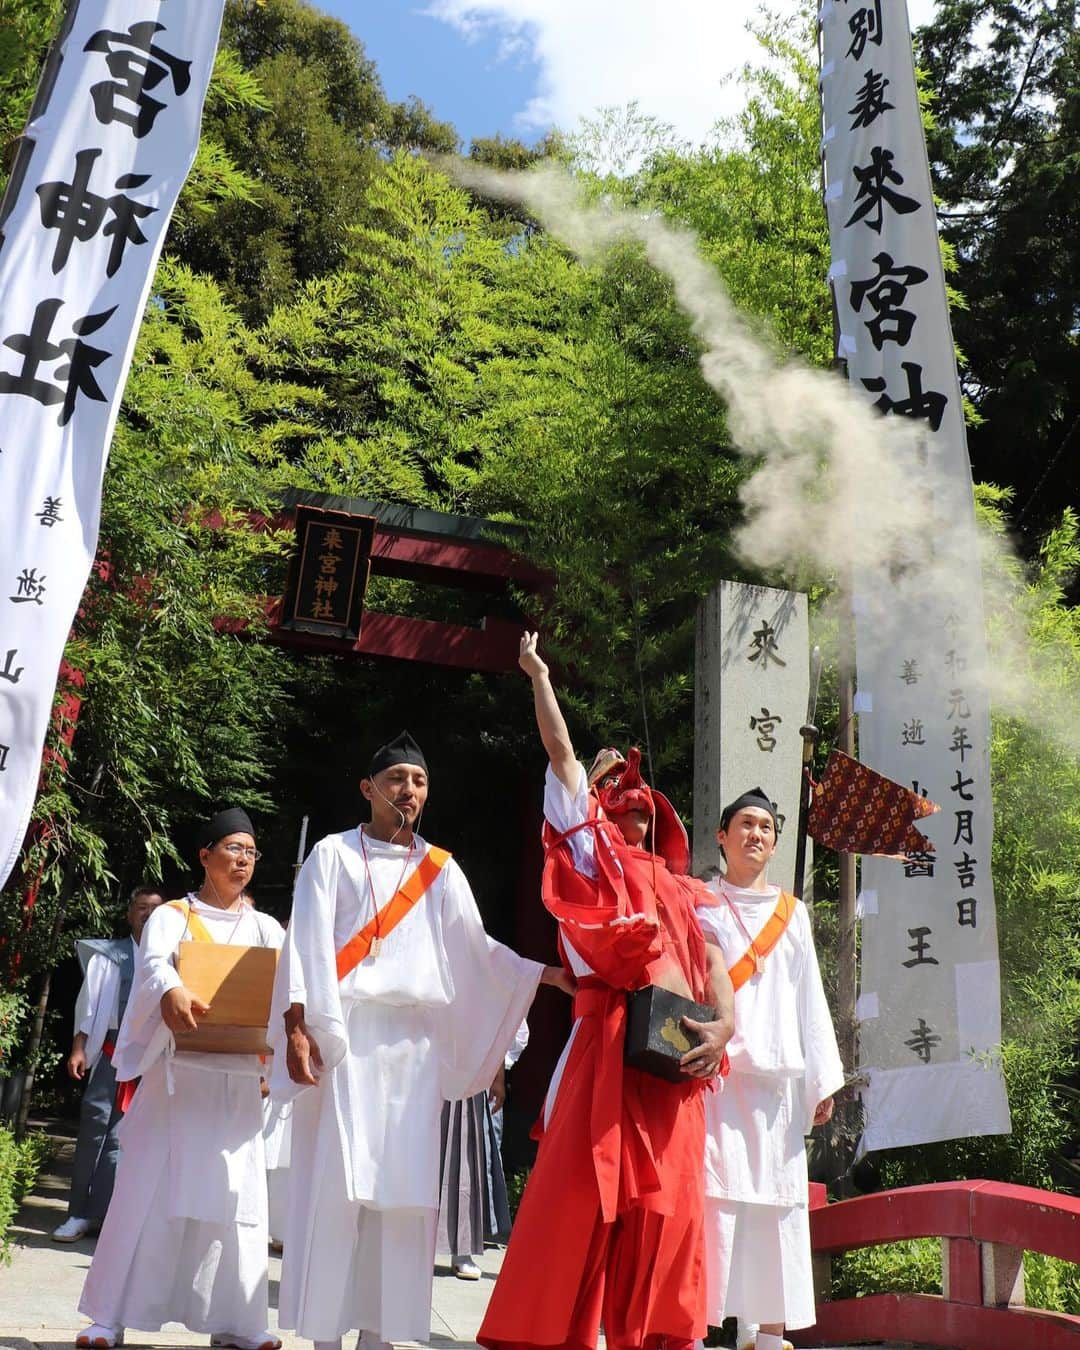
[[237, 983], [656, 1039]]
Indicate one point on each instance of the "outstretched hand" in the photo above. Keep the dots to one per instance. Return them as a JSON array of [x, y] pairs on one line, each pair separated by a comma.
[[528, 658]]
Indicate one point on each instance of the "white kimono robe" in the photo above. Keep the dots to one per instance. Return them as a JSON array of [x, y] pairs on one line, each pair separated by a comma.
[[784, 1061], [97, 1006], [185, 1236], [429, 1018]]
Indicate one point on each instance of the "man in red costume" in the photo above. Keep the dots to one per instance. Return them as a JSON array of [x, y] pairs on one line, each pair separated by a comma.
[[610, 1225]]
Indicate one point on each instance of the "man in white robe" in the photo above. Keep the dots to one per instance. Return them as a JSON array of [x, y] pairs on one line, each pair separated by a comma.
[[108, 967], [427, 1015], [785, 1066], [185, 1238]]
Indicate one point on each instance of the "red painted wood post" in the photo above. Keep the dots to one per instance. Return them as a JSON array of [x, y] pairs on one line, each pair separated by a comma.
[[961, 1270]]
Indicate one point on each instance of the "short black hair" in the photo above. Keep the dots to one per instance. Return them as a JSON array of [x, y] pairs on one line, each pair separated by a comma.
[[144, 888]]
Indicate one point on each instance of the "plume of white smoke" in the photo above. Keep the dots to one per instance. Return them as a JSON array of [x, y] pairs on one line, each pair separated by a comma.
[[839, 490]]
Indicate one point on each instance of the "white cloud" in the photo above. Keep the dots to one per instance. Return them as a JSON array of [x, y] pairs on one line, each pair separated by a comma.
[[674, 57]]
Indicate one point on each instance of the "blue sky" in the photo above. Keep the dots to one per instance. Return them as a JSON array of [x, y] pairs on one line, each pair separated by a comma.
[[468, 82], [520, 67]]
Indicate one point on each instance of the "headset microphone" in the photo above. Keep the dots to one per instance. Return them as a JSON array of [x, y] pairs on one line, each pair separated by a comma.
[[401, 814]]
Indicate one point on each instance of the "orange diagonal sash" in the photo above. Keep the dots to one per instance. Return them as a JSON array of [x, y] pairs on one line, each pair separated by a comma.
[[392, 913], [766, 940], [196, 929]]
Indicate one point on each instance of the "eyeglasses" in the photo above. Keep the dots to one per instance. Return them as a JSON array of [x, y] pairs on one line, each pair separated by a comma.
[[242, 851]]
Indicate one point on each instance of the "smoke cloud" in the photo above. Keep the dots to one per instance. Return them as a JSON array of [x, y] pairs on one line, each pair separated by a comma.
[[839, 491]]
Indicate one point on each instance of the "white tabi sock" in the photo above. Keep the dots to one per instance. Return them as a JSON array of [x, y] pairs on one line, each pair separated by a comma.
[[767, 1341]]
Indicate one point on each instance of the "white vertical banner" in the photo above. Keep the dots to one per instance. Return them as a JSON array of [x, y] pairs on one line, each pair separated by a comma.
[[751, 685], [86, 219], [929, 1007]]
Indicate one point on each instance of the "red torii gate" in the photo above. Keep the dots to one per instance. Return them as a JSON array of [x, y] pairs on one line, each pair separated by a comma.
[[429, 547]]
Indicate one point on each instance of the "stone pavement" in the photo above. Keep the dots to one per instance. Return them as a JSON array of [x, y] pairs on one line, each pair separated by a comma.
[[40, 1289]]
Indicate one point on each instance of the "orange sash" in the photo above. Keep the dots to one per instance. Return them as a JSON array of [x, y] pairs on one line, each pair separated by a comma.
[[392, 913], [197, 931], [773, 930]]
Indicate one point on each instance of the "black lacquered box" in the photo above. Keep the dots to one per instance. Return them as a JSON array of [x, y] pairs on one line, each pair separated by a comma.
[[656, 1039]]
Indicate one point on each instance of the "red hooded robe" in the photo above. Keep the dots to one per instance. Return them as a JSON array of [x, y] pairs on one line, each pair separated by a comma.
[[610, 1224]]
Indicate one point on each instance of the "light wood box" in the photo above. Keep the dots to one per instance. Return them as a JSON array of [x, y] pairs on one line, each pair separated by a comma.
[[237, 983]]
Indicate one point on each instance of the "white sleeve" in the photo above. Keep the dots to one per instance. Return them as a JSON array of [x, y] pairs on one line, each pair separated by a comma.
[[86, 1003], [493, 989], [563, 811], [143, 1034], [307, 970], [824, 1072], [517, 1049]]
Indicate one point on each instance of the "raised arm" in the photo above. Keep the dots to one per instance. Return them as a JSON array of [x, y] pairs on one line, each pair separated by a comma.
[[549, 718]]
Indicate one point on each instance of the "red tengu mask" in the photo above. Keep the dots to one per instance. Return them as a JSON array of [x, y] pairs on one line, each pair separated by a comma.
[[619, 788]]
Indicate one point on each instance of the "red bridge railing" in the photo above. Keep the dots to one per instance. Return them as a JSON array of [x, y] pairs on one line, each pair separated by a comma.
[[985, 1227]]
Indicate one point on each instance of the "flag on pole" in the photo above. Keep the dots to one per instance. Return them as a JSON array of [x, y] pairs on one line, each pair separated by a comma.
[[854, 809], [113, 134]]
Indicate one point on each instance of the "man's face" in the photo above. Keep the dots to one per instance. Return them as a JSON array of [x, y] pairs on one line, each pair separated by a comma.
[[749, 840], [140, 910], [230, 862], [633, 825], [400, 790]]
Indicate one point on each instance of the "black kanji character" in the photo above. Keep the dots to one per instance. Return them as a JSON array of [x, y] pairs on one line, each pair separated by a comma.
[[870, 100], [923, 1040], [78, 214], [765, 725], [75, 378], [920, 946], [966, 911], [865, 26], [912, 733], [918, 864], [909, 672], [955, 663], [965, 870], [49, 515], [4, 752], [29, 588], [764, 648], [959, 786], [930, 405], [959, 707], [965, 831], [12, 676], [134, 73], [886, 294], [874, 190]]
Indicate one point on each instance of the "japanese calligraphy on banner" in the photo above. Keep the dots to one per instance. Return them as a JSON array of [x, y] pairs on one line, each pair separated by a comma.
[[86, 218], [929, 1006], [751, 678]]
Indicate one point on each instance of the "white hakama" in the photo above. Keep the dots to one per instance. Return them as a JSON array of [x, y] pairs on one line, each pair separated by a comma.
[[185, 1236], [277, 1145], [429, 1017], [784, 1061]]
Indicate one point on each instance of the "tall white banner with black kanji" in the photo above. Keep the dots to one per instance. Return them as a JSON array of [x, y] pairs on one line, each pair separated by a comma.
[[108, 153], [929, 1006]]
